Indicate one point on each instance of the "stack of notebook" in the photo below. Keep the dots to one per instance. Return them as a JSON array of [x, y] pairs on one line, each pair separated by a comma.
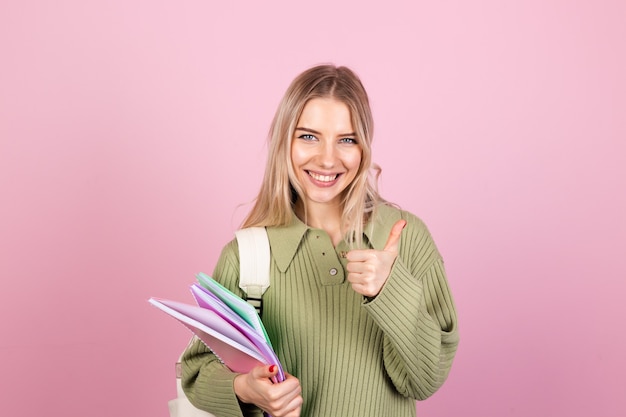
[[227, 324]]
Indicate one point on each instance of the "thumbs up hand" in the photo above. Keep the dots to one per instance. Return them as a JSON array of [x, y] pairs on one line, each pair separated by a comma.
[[369, 269]]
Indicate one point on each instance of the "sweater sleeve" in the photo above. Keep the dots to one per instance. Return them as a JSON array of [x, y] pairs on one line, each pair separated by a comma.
[[207, 382], [416, 313]]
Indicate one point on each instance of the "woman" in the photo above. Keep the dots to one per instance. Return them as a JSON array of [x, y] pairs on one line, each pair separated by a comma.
[[359, 310]]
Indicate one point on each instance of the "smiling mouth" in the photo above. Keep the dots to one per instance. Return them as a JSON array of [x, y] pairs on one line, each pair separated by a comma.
[[322, 178]]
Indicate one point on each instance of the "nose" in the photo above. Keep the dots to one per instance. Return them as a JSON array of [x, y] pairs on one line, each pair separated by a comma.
[[328, 155]]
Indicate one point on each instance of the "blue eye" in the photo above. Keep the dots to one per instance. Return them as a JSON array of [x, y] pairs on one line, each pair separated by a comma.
[[307, 136], [348, 140]]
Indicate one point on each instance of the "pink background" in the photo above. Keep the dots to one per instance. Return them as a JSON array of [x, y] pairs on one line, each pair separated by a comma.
[[132, 141]]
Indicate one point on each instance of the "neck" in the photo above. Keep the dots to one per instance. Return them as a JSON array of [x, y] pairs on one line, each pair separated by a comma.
[[321, 216]]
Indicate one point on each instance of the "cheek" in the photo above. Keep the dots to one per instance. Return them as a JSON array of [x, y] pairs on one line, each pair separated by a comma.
[[297, 156], [353, 160]]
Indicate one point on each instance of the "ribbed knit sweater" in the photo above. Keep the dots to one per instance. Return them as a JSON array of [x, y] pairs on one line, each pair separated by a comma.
[[354, 357]]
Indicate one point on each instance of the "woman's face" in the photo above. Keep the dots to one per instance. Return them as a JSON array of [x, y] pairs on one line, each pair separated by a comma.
[[325, 152]]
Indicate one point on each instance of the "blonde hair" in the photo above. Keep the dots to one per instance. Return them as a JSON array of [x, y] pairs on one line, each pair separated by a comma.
[[274, 205]]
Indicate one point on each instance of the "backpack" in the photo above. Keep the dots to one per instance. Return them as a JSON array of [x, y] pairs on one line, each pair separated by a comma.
[[254, 280]]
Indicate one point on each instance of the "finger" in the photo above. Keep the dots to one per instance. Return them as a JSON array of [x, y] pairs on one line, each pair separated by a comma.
[[359, 255], [355, 279], [261, 372], [355, 267], [286, 397], [394, 236], [294, 406]]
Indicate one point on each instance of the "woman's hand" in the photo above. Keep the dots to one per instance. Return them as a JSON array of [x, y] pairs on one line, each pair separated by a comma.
[[369, 269], [278, 400]]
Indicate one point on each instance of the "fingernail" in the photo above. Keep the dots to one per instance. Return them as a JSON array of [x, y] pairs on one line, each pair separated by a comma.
[[272, 368]]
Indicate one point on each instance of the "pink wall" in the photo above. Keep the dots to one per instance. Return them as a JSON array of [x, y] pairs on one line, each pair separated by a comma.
[[132, 131]]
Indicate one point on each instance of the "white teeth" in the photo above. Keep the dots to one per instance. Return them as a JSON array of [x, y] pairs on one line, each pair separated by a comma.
[[323, 178]]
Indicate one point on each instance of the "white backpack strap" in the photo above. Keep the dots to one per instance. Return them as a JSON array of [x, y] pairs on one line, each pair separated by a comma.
[[254, 261]]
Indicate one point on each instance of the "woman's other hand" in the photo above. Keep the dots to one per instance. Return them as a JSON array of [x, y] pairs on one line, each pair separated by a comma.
[[282, 399]]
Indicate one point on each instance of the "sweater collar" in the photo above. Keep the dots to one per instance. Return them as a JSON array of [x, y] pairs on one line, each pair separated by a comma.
[[285, 240]]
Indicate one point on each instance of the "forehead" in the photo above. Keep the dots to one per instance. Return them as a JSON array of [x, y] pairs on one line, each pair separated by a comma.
[[327, 113]]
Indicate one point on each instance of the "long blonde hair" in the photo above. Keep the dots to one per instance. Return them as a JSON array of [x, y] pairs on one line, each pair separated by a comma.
[[274, 205]]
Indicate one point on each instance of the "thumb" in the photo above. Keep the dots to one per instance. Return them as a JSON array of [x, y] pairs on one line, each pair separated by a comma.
[[394, 236], [265, 371]]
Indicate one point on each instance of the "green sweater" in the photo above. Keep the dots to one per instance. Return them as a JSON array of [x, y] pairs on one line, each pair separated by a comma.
[[353, 357]]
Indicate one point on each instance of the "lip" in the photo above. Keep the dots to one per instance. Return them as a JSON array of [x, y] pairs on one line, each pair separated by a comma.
[[321, 179]]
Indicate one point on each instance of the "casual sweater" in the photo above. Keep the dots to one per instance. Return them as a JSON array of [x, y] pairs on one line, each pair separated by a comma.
[[353, 356]]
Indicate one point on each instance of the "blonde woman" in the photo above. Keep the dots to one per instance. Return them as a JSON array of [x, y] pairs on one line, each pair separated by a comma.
[[359, 310]]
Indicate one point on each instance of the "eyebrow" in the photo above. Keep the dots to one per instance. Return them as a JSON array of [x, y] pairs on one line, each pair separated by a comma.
[[306, 129]]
